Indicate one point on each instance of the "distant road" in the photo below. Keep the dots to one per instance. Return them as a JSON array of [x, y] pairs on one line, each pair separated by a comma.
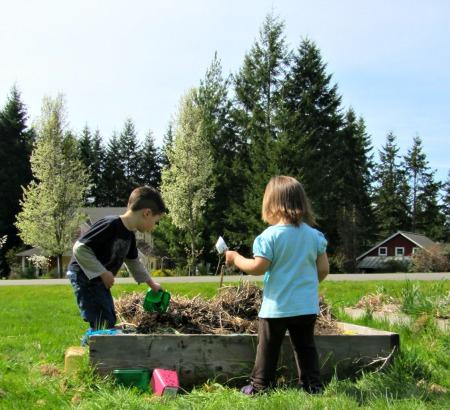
[[236, 278]]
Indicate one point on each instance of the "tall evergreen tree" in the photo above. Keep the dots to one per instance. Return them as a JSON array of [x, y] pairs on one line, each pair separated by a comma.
[[391, 190], [424, 190], [92, 155], [353, 176], [96, 167], [257, 104], [150, 166], [311, 138], [446, 208], [51, 204], [215, 106], [166, 145], [110, 191], [15, 171], [129, 157]]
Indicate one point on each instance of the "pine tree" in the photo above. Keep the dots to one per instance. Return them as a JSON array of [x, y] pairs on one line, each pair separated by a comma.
[[52, 200], [129, 157], [353, 177], [215, 106], [96, 167], [446, 208], [92, 155], [310, 142], [150, 167], [257, 104], [166, 146], [423, 199], [186, 185], [110, 192], [15, 170], [391, 190]]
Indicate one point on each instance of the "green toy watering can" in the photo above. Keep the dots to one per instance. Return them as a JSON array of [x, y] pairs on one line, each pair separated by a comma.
[[156, 301]]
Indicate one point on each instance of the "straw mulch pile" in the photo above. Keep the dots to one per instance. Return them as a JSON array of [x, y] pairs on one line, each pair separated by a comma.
[[378, 302], [234, 310]]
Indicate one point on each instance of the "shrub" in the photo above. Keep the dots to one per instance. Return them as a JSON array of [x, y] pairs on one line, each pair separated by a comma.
[[433, 259], [123, 273], [163, 272], [396, 266], [337, 262]]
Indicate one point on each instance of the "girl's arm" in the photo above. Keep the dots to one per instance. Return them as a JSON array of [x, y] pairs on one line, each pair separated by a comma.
[[253, 266], [323, 267]]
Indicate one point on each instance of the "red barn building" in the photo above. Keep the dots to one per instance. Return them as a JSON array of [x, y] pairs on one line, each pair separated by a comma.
[[399, 247]]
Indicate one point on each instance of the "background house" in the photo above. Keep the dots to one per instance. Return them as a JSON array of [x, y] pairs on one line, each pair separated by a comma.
[[397, 249]]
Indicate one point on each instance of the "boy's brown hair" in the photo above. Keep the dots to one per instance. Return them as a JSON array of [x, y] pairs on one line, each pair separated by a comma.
[[286, 198], [146, 197]]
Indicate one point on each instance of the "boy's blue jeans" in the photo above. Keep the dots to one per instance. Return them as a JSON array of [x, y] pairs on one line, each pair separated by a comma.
[[94, 301]]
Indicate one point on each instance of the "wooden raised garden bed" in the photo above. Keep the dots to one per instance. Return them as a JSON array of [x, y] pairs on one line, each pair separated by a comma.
[[230, 357]]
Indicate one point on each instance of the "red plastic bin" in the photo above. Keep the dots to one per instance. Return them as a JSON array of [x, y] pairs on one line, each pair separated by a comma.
[[165, 382]]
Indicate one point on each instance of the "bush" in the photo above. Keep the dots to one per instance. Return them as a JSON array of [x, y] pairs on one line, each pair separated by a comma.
[[163, 272], [396, 266], [433, 259], [337, 262], [123, 273]]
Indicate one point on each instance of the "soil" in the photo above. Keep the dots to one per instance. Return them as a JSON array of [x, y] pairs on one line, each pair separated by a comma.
[[234, 310]]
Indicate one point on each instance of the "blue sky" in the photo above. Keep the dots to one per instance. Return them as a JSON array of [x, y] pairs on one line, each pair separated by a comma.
[[114, 59]]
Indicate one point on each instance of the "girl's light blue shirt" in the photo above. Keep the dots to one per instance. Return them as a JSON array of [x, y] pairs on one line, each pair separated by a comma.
[[291, 285]]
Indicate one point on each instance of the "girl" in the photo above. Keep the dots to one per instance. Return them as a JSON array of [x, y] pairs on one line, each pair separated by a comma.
[[292, 256]]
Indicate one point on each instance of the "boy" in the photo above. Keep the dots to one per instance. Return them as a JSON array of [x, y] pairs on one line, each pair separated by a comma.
[[100, 252]]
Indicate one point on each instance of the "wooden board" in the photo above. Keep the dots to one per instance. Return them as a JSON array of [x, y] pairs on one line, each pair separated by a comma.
[[230, 358]]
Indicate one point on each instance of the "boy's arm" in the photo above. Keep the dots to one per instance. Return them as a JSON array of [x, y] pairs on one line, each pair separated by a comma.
[[87, 260], [323, 267], [140, 273], [253, 266]]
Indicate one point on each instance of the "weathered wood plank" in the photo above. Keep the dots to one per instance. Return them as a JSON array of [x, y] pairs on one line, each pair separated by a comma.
[[198, 358]]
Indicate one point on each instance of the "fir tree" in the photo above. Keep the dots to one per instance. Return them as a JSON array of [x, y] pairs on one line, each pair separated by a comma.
[[257, 104], [166, 146], [215, 106], [92, 155], [150, 167], [15, 171], [130, 161], [446, 208], [310, 143], [110, 192], [96, 167], [353, 177], [423, 199], [391, 190]]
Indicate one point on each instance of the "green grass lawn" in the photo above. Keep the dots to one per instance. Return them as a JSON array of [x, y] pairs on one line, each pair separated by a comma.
[[39, 322]]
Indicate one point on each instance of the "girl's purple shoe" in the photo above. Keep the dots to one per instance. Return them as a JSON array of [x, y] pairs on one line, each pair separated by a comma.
[[249, 390]]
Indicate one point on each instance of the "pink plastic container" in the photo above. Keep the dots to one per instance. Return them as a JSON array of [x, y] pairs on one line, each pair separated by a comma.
[[165, 382]]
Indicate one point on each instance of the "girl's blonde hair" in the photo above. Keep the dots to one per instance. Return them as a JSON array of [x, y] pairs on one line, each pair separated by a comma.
[[285, 198]]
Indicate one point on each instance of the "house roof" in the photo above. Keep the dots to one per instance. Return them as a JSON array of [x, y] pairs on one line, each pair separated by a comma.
[[420, 240], [38, 251], [377, 262], [94, 214]]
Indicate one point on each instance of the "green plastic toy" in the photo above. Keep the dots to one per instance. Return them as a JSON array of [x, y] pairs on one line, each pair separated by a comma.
[[156, 301], [139, 378]]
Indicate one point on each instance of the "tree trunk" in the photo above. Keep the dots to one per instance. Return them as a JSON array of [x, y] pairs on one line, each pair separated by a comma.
[[59, 265]]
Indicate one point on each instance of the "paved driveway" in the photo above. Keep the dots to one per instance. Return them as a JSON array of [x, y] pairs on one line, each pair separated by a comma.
[[236, 278]]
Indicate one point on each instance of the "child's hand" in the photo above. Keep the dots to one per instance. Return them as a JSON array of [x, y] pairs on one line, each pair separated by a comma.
[[108, 279], [230, 256], [156, 287]]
